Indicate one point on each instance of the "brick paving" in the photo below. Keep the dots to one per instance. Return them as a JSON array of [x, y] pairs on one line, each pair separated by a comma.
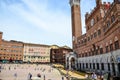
[[22, 71]]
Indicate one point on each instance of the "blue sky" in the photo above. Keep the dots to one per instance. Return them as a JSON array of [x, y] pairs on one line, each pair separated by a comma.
[[40, 21]]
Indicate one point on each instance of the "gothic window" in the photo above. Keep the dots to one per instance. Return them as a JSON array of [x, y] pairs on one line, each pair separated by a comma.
[[106, 49], [111, 47], [96, 52], [116, 44], [108, 24], [101, 50], [102, 66], [112, 18], [88, 38], [99, 32], [104, 29], [92, 22], [95, 34]]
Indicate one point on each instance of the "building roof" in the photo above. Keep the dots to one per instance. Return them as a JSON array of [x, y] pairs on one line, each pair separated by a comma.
[[36, 44]]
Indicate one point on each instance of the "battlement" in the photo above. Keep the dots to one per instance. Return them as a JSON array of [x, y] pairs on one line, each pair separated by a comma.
[[105, 6], [1, 32]]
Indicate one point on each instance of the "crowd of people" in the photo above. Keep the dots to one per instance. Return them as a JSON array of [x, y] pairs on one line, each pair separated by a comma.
[[94, 76], [14, 68]]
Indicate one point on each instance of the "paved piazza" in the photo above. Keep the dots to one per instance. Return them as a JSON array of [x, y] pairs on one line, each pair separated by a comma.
[[22, 70]]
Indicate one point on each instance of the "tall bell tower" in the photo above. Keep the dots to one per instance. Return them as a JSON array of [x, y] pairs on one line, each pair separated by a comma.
[[76, 20], [1, 33]]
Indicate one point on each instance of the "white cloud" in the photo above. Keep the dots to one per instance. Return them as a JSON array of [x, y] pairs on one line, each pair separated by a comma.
[[56, 25], [41, 17]]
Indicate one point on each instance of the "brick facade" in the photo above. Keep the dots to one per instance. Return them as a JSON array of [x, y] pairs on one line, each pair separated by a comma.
[[58, 54], [36, 53], [11, 51], [102, 38]]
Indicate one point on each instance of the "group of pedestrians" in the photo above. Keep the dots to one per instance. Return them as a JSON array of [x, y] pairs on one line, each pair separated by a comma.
[[27, 71], [94, 76]]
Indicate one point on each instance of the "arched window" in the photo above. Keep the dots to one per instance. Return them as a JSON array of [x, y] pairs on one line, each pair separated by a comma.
[[98, 66], [99, 32], [92, 22], [102, 66], [107, 49], [116, 44], [93, 65], [112, 18], [97, 18], [111, 47], [108, 24]]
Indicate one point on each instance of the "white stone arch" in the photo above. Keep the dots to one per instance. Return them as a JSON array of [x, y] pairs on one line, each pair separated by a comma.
[[116, 38], [71, 56], [110, 41], [106, 44], [101, 46], [99, 28]]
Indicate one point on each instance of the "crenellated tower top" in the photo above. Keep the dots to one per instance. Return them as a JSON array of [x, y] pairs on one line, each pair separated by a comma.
[[74, 2], [98, 2]]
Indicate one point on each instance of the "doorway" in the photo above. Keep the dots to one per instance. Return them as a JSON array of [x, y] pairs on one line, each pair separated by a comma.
[[72, 63], [113, 68], [119, 67]]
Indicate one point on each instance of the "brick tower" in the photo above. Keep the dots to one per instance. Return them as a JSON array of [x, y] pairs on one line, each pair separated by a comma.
[[1, 33], [76, 21]]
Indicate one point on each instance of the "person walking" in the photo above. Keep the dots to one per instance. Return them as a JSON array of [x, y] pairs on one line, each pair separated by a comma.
[[15, 76], [94, 76], [44, 77], [29, 76], [62, 78], [86, 76]]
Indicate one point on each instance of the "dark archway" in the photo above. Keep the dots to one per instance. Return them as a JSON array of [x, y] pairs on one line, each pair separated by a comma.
[[119, 67], [72, 63], [113, 68]]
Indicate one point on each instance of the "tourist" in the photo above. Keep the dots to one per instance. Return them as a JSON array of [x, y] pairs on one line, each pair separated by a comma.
[[94, 76], [62, 78], [29, 76], [9, 67], [38, 75], [15, 76], [86, 76], [44, 77]]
